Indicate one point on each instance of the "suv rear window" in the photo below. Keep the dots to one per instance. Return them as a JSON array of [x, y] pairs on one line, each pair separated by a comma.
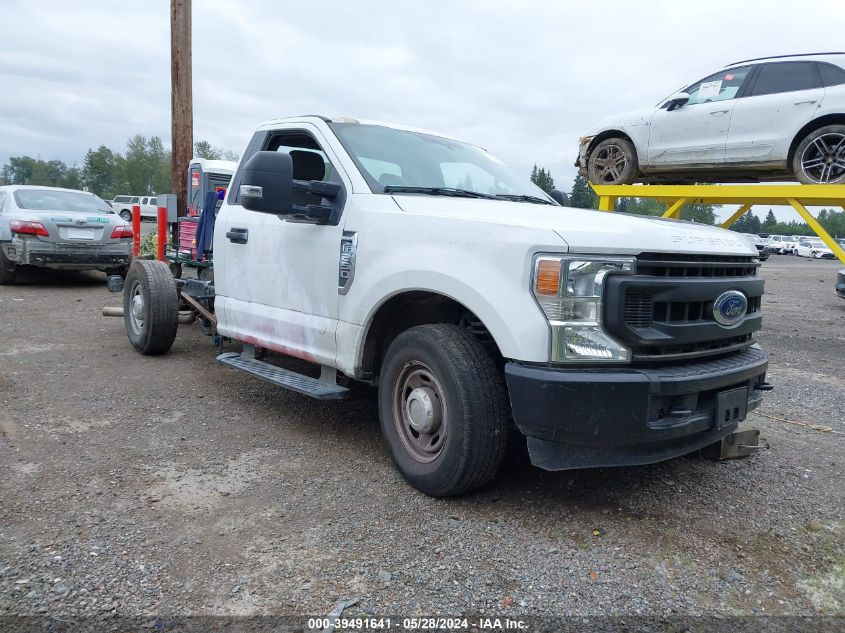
[[786, 77]]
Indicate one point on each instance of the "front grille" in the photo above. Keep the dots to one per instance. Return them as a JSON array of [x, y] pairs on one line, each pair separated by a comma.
[[682, 265], [654, 308], [641, 310]]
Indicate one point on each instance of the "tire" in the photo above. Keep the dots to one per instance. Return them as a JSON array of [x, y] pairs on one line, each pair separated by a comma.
[[464, 389], [820, 157], [8, 270], [612, 162], [150, 307], [126, 215]]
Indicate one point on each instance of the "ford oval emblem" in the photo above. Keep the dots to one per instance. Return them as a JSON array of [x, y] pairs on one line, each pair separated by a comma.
[[729, 307]]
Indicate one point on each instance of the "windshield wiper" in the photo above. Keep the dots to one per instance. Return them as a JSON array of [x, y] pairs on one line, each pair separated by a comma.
[[523, 198], [436, 191]]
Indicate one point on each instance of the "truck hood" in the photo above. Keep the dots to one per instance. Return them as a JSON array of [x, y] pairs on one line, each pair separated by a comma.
[[584, 230]]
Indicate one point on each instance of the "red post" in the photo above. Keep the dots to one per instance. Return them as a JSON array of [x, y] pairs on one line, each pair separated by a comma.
[[162, 232], [136, 230]]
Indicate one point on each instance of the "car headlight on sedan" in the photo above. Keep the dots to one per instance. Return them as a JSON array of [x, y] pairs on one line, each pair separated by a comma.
[[569, 291]]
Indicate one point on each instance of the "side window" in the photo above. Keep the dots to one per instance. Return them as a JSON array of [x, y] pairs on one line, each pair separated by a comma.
[[2, 202], [718, 87], [144, 200], [831, 75], [309, 161], [786, 77], [152, 201], [134, 200]]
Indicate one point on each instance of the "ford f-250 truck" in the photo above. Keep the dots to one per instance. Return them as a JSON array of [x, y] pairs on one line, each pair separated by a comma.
[[423, 266]]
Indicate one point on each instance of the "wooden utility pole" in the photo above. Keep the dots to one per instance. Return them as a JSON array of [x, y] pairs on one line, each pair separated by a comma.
[[181, 100]]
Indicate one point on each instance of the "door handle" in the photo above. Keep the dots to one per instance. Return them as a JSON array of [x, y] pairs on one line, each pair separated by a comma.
[[719, 111], [237, 236], [808, 101]]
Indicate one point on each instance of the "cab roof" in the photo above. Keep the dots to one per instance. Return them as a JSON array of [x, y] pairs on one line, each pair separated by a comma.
[[343, 119]]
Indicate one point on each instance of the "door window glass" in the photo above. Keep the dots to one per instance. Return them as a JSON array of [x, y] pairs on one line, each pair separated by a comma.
[[786, 77], [720, 86]]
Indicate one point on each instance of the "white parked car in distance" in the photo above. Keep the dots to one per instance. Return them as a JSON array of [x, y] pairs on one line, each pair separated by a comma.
[[813, 247], [771, 118], [122, 205]]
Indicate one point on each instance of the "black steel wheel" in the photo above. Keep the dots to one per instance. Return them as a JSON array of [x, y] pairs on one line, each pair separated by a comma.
[[126, 214], [150, 307], [443, 409]]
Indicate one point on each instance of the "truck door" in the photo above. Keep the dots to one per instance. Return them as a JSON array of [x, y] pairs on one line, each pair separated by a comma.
[[277, 278]]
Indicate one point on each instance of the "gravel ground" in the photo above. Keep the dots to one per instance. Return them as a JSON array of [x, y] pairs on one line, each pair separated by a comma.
[[173, 485]]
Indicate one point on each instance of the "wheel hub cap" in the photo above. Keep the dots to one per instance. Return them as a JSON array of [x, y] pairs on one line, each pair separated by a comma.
[[423, 410], [138, 307], [419, 412]]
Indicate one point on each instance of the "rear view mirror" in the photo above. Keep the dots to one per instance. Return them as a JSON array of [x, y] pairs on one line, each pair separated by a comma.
[[677, 100], [267, 183]]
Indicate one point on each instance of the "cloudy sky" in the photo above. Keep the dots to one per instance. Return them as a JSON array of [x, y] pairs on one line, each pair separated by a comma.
[[523, 79]]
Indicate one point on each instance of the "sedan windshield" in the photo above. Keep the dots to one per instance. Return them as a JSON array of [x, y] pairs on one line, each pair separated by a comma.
[[57, 200], [399, 161]]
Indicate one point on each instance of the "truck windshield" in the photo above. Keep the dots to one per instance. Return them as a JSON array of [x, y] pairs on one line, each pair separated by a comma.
[[57, 200], [400, 161]]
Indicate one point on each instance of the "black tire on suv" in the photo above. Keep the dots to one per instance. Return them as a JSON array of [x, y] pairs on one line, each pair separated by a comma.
[[613, 161], [820, 157], [443, 409]]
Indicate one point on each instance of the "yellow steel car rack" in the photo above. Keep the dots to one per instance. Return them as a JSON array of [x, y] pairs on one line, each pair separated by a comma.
[[799, 197]]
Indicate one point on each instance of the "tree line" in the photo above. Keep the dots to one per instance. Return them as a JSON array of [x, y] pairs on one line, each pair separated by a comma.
[[583, 196], [142, 169]]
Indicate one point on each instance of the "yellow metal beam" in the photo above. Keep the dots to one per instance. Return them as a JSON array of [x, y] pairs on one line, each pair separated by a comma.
[[809, 195], [736, 216], [818, 228], [607, 203], [675, 208]]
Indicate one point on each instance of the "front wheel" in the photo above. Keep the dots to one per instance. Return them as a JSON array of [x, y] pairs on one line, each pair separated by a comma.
[[150, 307], [126, 215], [820, 157], [443, 409], [612, 162]]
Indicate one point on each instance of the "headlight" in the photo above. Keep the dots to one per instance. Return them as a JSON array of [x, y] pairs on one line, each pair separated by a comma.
[[569, 291]]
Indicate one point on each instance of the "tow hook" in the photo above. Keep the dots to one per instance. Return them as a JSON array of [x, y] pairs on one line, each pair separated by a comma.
[[764, 386]]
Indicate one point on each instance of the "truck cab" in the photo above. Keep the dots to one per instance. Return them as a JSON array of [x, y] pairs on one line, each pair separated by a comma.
[[480, 309]]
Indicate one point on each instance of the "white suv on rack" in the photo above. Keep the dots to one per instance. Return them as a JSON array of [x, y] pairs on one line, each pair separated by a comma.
[[772, 118]]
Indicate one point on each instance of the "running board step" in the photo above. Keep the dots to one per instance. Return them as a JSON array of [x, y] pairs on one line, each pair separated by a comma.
[[284, 377]]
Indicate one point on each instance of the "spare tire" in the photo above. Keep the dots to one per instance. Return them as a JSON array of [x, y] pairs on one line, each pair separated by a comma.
[[150, 307]]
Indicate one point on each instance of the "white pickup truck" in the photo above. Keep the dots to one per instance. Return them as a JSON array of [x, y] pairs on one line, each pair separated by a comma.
[[423, 266]]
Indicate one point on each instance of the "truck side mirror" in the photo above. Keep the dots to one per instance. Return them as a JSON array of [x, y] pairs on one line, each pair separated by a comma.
[[267, 183]]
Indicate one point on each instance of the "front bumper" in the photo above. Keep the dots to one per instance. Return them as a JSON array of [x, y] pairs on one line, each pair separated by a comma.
[[66, 256], [581, 161], [840, 283], [582, 418]]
